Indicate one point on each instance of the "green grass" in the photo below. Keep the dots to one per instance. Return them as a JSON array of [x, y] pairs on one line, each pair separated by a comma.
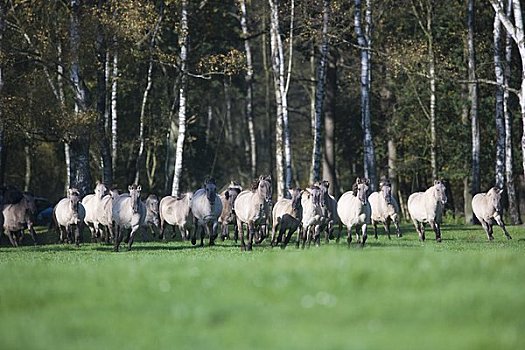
[[464, 293]]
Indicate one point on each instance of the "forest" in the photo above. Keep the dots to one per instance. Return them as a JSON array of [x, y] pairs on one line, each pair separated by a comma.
[[166, 93]]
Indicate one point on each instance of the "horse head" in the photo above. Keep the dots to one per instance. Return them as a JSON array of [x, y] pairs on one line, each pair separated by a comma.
[[211, 190], [100, 190], [360, 189], [386, 190], [74, 198], [440, 192], [296, 194], [264, 188], [152, 206], [495, 198], [134, 193]]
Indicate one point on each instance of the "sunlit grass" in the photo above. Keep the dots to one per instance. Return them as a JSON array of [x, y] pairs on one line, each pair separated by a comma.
[[463, 293]]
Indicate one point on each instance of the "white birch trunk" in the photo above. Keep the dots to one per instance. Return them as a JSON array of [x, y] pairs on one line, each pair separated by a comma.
[[315, 174], [499, 117], [514, 211], [278, 77], [368, 144], [183, 42], [142, 122], [114, 97], [516, 31], [249, 90], [473, 97]]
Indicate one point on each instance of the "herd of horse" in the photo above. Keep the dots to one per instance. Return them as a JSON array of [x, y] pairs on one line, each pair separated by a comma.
[[206, 213]]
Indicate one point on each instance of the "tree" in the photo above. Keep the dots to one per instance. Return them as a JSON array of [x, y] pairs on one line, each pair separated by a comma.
[[183, 42], [80, 176], [315, 174], [500, 122], [473, 98], [249, 89], [516, 32], [282, 142], [2, 132], [364, 41]]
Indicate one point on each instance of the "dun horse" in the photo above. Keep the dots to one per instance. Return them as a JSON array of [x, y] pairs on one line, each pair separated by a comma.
[[69, 215], [428, 207], [286, 216], [206, 207], [354, 210], [128, 213], [18, 213], [252, 208], [227, 217], [384, 208], [488, 209], [176, 212], [95, 206]]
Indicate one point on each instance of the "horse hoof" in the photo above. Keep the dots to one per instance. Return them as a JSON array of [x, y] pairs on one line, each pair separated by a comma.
[[509, 237], [438, 239]]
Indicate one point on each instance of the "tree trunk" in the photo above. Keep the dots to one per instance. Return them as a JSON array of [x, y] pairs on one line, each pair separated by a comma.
[[183, 42], [114, 120], [249, 90], [315, 174], [228, 112], [102, 77], [500, 121], [142, 122], [80, 176], [513, 203], [282, 140], [474, 121], [27, 177], [329, 172], [368, 144], [2, 132], [516, 32]]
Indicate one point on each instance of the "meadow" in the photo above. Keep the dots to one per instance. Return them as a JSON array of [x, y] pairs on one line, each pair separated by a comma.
[[463, 293]]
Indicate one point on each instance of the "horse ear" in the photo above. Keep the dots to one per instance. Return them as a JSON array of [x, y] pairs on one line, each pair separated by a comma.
[[436, 182], [367, 181], [358, 180], [130, 188], [227, 194], [500, 190], [139, 188]]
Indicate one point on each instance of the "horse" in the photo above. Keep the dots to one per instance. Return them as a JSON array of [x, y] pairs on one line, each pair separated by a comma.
[[177, 212], [331, 219], [353, 209], [227, 217], [128, 212], [428, 207], [252, 208], [384, 208], [286, 215], [487, 208], [152, 213], [96, 205], [17, 216], [313, 215], [69, 215], [206, 207]]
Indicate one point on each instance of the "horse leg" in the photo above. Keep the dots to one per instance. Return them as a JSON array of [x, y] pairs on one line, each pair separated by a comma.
[[363, 232], [213, 232], [118, 239], [12, 238], [251, 234], [386, 225], [340, 226], [32, 232], [274, 228], [77, 234], [375, 229], [435, 227], [358, 238], [501, 224], [132, 236], [241, 233], [398, 230]]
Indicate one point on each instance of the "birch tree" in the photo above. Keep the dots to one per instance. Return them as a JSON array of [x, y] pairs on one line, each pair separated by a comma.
[[249, 89], [473, 98], [80, 176], [516, 32], [114, 96], [423, 10], [514, 212], [363, 39], [183, 42], [3, 9], [500, 122], [103, 137], [315, 174], [282, 142], [329, 123]]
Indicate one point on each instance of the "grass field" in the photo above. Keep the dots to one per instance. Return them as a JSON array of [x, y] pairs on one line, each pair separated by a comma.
[[464, 293]]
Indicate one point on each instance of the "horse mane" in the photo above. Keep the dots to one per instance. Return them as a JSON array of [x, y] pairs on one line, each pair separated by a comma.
[[11, 195]]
